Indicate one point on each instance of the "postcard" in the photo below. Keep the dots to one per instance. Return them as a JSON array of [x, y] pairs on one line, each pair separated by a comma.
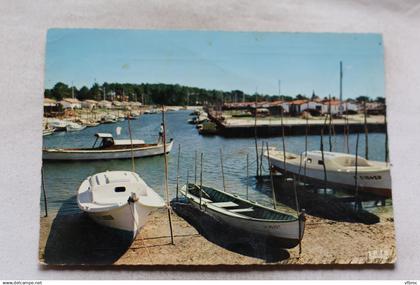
[[215, 148]]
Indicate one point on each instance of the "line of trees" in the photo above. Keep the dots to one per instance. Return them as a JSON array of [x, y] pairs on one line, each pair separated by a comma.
[[167, 94]]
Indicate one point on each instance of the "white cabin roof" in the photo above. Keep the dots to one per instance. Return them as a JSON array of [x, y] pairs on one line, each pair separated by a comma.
[[103, 135], [128, 142]]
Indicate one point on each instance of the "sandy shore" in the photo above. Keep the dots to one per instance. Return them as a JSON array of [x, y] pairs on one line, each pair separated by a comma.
[[74, 239]]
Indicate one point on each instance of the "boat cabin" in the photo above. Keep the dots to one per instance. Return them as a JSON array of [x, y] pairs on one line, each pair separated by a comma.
[[333, 160], [107, 140], [115, 186]]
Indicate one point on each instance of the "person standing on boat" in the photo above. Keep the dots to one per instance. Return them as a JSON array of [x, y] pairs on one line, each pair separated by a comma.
[[160, 139]]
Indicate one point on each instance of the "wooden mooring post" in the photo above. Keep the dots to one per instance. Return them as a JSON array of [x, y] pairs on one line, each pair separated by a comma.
[[223, 172], [166, 175], [44, 192], [177, 171], [366, 132], [271, 177]]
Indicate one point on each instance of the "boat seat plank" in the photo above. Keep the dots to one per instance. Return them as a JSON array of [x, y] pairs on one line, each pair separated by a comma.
[[243, 210], [206, 200], [225, 204]]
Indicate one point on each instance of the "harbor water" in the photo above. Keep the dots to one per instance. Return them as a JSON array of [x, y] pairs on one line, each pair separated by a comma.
[[62, 178]]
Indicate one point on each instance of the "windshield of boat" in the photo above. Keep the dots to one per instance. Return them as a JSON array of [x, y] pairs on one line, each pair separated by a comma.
[[107, 142]]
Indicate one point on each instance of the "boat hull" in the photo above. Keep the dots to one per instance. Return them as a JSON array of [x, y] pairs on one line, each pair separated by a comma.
[[63, 154], [286, 234], [375, 182], [129, 218]]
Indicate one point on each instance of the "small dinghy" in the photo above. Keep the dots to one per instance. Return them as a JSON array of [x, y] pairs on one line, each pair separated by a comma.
[[74, 127], [108, 148], [372, 176], [118, 199], [286, 229]]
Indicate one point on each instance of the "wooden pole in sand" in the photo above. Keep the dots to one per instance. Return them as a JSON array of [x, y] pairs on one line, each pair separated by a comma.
[[166, 174], [366, 132], [177, 172], [271, 177], [44, 192], [256, 134], [223, 172]]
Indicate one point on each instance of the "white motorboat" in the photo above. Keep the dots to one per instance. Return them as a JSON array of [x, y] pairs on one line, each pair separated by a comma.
[[108, 148], [58, 125], [286, 229], [118, 199], [372, 176], [75, 127]]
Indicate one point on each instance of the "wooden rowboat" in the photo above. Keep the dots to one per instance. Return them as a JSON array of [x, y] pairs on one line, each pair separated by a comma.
[[286, 229]]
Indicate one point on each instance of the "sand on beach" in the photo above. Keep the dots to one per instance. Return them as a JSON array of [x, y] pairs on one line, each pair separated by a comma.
[[324, 242]]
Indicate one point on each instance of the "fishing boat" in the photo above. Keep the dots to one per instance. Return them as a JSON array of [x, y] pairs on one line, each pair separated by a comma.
[[108, 148], [58, 125], [74, 127], [286, 229], [372, 176], [118, 199]]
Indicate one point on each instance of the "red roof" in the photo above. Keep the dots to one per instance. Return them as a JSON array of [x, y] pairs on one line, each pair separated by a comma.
[[331, 102], [298, 102]]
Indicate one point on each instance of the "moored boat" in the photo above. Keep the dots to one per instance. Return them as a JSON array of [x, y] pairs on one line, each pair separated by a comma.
[[48, 131], [286, 229], [74, 127], [58, 125], [118, 199], [108, 148], [372, 176], [109, 119]]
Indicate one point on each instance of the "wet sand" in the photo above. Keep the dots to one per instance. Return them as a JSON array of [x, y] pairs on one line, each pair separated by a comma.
[[74, 239]]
